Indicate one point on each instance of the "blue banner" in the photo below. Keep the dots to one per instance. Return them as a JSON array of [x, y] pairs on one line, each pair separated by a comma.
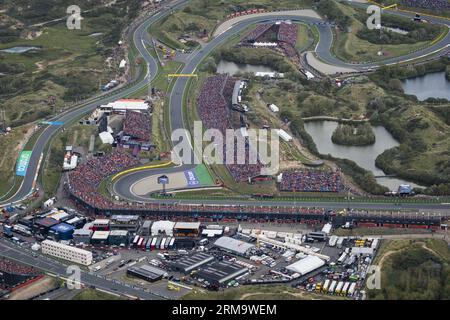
[[22, 163], [191, 178]]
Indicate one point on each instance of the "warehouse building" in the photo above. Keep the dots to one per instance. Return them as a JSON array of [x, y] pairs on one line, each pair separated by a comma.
[[162, 227], [100, 238], [119, 238], [43, 225], [82, 236], [306, 265], [125, 222], [219, 274], [186, 229], [66, 252], [62, 231], [189, 263], [234, 246], [147, 272]]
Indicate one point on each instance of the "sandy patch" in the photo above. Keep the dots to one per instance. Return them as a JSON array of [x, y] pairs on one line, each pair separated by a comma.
[[33, 289]]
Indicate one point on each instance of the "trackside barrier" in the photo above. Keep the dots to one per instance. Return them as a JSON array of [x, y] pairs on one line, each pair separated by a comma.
[[120, 174]]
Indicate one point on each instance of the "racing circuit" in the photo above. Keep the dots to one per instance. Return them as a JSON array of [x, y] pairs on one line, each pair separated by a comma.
[[131, 186]]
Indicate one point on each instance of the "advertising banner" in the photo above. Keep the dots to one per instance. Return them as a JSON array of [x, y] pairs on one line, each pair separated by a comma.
[[22, 163], [191, 178]]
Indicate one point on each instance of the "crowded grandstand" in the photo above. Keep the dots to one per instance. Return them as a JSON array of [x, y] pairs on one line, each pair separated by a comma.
[[427, 4], [281, 33], [216, 112], [13, 274], [311, 181]]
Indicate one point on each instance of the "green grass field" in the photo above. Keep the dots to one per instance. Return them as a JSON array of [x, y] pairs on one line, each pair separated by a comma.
[[92, 294]]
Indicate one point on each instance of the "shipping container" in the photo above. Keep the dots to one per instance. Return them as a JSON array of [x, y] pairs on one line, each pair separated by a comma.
[[148, 244], [163, 242], [342, 258], [139, 244]]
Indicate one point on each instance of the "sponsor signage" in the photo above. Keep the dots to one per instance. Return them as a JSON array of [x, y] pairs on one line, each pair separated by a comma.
[[191, 178], [22, 163], [163, 179]]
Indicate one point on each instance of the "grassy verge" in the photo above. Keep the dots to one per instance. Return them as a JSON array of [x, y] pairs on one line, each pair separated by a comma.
[[258, 292], [92, 294]]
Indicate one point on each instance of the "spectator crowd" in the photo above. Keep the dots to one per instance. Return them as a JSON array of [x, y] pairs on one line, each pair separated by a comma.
[[311, 181], [428, 4], [215, 112], [137, 125], [11, 267], [286, 35]]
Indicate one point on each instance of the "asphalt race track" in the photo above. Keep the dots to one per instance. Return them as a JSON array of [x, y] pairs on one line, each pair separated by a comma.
[[140, 36]]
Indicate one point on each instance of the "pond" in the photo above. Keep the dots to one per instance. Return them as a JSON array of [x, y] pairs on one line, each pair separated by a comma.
[[20, 49], [431, 85], [232, 68], [364, 156]]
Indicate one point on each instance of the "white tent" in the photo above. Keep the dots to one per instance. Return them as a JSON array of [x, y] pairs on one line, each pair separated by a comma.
[[106, 137], [122, 64], [306, 265]]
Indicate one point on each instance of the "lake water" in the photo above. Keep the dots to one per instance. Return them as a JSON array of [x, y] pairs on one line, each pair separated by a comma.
[[364, 156], [19, 49], [432, 85], [233, 68]]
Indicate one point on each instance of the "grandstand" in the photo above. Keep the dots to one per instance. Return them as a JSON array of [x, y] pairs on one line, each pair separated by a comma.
[[284, 34], [13, 274], [311, 181], [215, 109], [437, 5]]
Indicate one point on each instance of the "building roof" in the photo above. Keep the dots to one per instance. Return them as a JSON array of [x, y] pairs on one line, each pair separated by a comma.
[[222, 271], [306, 265], [118, 233], [163, 225], [62, 227], [147, 224], [66, 247], [101, 221], [148, 271], [100, 235], [187, 225], [47, 222], [191, 262], [128, 104], [125, 218], [233, 245], [82, 232]]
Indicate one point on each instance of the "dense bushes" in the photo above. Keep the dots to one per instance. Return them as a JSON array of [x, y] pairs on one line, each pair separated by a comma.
[[257, 57], [413, 274], [417, 32], [363, 178], [333, 13], [353, 135]]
